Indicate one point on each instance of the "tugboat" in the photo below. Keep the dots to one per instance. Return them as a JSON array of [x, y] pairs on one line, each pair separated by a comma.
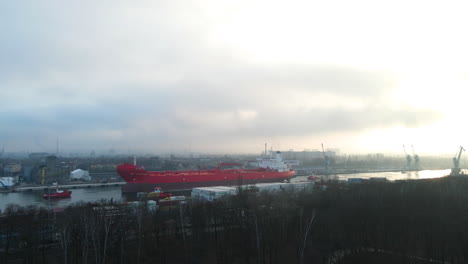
[[59, 193], [313, 178], [156, 194]]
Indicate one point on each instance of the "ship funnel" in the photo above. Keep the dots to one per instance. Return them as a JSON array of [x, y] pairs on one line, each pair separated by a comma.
[[279, 157]]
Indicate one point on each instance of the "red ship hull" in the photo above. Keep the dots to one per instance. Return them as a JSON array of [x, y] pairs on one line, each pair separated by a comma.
[[140, 180]]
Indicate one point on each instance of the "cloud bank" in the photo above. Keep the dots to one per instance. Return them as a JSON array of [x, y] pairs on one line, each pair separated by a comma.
[[150, 77]]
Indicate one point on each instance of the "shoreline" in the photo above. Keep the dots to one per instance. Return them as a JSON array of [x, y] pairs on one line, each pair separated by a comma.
[[35, 187]]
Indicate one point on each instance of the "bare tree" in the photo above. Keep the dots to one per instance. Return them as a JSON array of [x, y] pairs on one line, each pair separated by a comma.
[[306, 234]]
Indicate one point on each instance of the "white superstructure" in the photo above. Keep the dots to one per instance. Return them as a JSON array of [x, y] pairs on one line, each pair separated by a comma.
[[274, 162]]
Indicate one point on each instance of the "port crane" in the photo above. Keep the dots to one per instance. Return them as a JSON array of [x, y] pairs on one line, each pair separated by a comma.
[[456, 163], [327, 161], [416, 159], [408, 159]]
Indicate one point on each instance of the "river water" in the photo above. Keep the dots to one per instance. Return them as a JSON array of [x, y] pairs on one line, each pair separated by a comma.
[[114, 192], [78, 195]]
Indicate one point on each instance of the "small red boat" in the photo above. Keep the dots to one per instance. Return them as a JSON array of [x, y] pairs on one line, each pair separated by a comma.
[[59, 193], [156, 194]]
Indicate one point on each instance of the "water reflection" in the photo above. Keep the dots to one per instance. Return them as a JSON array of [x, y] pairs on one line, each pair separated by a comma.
[[391, 176], [78, 195], [412, 175], [404, 175]]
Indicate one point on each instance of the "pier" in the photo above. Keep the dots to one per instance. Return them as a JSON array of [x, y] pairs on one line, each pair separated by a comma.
[[66, 186]]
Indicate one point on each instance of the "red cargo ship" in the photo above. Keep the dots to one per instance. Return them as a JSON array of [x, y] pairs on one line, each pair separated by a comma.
[[272, 169]]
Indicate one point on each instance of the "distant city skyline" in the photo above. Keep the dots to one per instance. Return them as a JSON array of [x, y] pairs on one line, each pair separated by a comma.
[[226, 77], [187, 153]]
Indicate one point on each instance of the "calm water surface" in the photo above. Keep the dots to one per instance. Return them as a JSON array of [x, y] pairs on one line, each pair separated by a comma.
[[114, 192], [78, 195], [392, 176]]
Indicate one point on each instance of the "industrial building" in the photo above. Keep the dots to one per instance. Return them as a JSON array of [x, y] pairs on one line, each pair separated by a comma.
[[308, 155], [80, 175], [218, 192], [6, 182]]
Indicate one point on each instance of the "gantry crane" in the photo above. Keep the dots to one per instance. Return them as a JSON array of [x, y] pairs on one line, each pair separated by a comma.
[[327, 161], [408, 159], [456, 163], [416, 160]]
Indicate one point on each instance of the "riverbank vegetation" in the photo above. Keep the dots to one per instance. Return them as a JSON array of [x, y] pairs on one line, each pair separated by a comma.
[[422, 221]]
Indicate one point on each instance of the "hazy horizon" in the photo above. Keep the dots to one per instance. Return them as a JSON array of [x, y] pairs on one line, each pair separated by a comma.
[[226, 77], [187, 153]]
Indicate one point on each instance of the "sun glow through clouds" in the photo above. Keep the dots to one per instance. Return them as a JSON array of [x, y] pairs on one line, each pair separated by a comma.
[[361, 75]]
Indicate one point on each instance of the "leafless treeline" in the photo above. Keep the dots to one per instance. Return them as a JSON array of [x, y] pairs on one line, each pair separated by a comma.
[[417, 221]]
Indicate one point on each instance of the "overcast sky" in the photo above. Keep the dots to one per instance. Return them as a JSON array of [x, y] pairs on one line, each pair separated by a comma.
[[228, 76]]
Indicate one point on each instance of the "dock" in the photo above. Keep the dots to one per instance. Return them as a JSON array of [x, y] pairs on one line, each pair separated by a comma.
[[65, 186]]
